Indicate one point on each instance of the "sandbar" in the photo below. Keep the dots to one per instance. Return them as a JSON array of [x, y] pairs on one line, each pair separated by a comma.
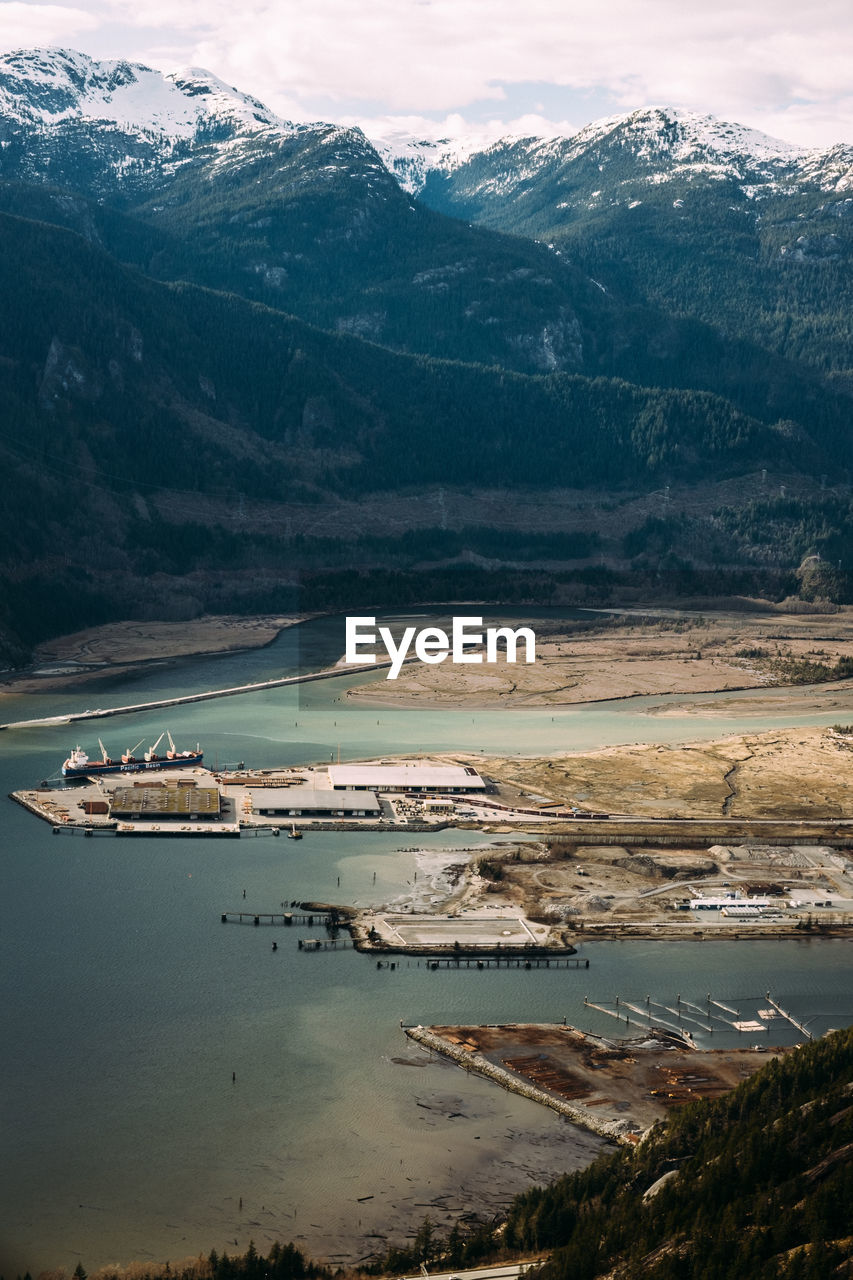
[[119, 647], [635, 654]]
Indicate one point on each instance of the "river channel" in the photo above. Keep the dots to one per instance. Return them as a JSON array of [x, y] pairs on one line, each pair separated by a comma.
[[172, 1085]]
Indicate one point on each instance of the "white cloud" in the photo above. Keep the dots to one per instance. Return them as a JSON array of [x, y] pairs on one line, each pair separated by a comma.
[[455, 126], [738, 61], [771, 64], [811, 125], [23, 26]]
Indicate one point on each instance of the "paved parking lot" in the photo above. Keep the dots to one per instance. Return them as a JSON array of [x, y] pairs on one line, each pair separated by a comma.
[[470, 931]]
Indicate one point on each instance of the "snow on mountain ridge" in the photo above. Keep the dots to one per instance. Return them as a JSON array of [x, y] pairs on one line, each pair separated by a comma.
[[656, 129], [681, 139], [410, 158], [40, 88], [45, 87], [831, 170]]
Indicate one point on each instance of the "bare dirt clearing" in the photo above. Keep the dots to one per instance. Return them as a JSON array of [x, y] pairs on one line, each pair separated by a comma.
[[638, 1080]]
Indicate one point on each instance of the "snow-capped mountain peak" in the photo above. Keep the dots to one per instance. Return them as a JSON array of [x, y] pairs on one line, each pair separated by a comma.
[[208, 95], [653, 145], [410, 158], [47, 86], [657, 130]]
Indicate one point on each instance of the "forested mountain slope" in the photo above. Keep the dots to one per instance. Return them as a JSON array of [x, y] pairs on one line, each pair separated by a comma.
[[759, 1185], [154, 384], [702, 218], [213, 320]]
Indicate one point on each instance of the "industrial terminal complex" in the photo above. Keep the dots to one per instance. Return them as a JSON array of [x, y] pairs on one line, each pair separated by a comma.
[[570, 872], [198, 801]]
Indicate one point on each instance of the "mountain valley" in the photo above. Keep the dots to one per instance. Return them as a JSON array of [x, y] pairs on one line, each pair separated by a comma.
[[229, 340]]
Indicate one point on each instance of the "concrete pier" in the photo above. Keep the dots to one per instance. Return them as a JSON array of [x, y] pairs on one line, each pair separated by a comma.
[[281, 918], [788, 1017]]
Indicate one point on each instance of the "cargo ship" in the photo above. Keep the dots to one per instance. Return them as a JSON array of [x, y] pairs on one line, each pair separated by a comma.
[[78, 764]]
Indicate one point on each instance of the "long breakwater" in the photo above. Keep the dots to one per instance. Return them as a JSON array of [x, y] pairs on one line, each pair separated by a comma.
[[102, 713]]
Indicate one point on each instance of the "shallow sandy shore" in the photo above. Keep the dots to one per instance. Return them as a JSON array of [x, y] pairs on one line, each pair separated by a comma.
[[122, 646], [813, 700]]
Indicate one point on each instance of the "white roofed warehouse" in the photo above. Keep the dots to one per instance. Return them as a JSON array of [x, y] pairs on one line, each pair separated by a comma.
[[411, 776], [313, 802]]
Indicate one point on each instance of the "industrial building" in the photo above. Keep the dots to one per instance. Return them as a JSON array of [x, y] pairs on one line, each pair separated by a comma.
[[165, 803], [432, 807], [411, 776], [314, 802], [732, 902]]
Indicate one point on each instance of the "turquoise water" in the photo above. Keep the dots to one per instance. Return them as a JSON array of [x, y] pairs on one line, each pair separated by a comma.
[[128, 1005]]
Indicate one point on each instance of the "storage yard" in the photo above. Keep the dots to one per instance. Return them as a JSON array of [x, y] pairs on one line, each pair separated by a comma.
[[583, 890], [616, 1087], [384, 794]]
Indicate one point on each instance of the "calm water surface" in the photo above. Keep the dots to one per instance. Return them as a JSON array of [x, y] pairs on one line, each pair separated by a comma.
[[128, 1006]]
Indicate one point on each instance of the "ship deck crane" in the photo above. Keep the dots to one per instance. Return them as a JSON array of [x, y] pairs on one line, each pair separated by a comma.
[[149, 755]]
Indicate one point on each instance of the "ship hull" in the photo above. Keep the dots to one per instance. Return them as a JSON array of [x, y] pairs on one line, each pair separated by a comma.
[[96, 768]]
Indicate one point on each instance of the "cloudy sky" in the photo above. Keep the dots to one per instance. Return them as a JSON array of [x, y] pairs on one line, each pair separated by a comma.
[[494, 66]]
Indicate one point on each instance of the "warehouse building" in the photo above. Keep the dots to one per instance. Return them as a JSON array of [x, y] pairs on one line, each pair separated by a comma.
[[176, 803], [733, 902], [411, 776], [314, 802]]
